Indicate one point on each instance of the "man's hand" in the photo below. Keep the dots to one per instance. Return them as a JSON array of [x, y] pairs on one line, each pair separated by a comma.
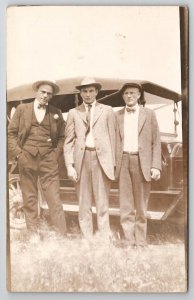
[[72, 174], [155, 173]]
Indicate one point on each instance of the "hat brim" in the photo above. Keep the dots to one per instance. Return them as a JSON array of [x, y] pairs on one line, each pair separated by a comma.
[[37, 84], [131, 84], [97, 85]]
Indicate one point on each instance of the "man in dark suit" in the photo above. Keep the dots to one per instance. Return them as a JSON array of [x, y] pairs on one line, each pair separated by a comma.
[[35, 139], [138, 157], [89, 151]]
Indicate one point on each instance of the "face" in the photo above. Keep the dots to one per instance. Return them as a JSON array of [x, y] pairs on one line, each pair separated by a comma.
[[131, 96], [44, 93], [89, 94]]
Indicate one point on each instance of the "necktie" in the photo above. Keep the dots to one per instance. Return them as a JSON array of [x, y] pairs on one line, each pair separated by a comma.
[[130, 109], [88, 118], [42, 106]]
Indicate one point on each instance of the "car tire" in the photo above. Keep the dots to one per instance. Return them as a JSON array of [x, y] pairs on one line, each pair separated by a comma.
[[16, 214]]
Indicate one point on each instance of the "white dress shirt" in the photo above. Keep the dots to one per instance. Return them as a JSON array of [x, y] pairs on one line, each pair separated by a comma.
[[90, 137], [131, 130], [39, 112]]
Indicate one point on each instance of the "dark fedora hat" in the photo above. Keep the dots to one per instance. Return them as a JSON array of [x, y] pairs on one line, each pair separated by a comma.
[[131, 84], [141, 100]]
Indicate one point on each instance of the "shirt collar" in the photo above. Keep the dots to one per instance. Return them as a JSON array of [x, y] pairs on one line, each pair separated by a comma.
[[86, 105], [36, 103], [136, 107]]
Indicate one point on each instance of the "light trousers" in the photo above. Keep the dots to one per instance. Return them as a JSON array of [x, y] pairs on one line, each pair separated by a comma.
[[93, 189], [134, 193]]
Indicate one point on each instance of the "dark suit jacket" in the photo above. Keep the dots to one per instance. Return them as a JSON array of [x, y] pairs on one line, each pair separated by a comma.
[[149, 145], [20, 125]]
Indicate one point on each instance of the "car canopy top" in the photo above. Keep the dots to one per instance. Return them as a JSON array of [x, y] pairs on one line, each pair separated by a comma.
[[111, 85]]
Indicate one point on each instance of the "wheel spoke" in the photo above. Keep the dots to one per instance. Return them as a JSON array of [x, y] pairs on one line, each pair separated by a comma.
[[16, 214], [18, 186], [12, 187]]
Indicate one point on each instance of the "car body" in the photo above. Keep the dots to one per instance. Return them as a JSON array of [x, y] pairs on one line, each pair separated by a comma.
[[167, 198]]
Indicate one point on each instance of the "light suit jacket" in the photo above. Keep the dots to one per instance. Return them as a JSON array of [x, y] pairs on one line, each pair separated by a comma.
[[104, 137], [20, 126], [149, 145]]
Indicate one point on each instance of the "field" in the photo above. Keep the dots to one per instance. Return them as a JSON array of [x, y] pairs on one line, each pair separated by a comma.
[[50, 263]]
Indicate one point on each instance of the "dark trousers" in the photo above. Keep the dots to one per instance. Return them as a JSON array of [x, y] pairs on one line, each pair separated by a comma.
[[46, 169], [134, 194], [93, 186]]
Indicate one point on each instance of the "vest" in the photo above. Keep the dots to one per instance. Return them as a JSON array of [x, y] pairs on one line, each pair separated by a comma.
[[39, 139]]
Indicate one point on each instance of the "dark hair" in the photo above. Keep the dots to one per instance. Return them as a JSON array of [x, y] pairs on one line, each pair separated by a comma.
[[141, 100]]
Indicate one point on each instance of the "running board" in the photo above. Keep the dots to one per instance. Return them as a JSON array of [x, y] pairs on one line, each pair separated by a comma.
[[73, 208]]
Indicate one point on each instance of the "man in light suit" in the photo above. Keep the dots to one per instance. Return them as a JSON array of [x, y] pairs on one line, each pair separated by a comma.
[[89, 152], [35, 139], [138, 157]]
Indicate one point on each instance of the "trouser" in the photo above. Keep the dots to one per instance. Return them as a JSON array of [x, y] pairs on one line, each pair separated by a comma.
[[134, 194], [93, 185], [46, 169]]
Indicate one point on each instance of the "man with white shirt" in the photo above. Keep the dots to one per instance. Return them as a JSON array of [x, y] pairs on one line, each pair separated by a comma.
[[89, 152], [35, 139], [138, 157]]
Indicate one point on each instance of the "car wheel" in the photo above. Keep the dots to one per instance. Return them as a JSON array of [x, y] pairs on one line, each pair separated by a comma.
[[16, 214]]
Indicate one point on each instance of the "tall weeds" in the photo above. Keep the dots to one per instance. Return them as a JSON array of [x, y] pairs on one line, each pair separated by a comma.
[[56, 264]]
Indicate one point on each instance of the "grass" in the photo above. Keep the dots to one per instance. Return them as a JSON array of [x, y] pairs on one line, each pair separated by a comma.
[[56, 264]]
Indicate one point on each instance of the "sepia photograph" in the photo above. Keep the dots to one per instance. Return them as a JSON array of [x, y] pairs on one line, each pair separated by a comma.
[[97, 145]]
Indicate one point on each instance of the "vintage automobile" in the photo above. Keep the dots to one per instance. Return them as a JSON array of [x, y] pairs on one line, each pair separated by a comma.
[[167, 199]]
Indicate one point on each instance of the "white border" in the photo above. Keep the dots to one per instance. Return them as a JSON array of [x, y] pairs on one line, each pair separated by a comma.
[[4, 295]]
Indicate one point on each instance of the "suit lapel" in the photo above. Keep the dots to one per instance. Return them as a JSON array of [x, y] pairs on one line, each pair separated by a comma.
[[97, 112], [121, 122], [28, 116], [82, 112], [53, 123], [141, 119]]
